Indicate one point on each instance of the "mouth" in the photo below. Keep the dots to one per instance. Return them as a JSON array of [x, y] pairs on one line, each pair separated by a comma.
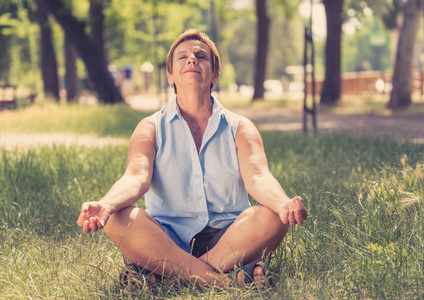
[[191, 71]]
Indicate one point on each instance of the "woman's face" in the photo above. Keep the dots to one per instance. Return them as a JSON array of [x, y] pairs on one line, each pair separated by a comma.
[[192, 65]]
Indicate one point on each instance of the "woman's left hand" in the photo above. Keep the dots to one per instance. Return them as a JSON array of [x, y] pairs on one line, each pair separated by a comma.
[[293, 212]]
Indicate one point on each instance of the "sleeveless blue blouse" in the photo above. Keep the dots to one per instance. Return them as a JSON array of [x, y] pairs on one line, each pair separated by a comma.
[[191, 189]]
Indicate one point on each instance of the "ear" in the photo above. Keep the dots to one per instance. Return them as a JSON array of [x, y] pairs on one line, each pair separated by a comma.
[[170, 78], [215, 78]]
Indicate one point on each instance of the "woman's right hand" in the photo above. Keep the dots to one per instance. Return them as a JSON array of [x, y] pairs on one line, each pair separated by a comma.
[[93, 216]]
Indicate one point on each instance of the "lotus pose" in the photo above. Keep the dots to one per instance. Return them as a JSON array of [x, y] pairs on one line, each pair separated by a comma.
[[195, 162]]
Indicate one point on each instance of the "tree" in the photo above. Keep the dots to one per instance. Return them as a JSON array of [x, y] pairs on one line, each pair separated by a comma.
[[330, 94], [48, 55], [5, 42], [261, 49], [402, 75], [87, 50], [6, 8], [97, 17], [71, 78]]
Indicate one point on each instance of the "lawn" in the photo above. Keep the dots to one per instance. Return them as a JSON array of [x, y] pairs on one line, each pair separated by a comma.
[[363, 237]]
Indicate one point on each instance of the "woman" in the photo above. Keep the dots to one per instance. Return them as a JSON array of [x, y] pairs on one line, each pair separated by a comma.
[[195, 161]]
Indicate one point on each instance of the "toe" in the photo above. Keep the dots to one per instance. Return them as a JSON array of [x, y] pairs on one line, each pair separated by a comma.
[[259, 276]]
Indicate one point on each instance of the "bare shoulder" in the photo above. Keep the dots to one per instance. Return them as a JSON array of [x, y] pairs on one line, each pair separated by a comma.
[[250, 149], [247, 133], [145, 130], [143, 140]]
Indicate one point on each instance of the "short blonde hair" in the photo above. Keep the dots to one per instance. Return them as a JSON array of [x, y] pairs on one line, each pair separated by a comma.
[[194, 34]]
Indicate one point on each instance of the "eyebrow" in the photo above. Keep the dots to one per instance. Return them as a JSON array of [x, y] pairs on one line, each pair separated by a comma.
[[196, 51]]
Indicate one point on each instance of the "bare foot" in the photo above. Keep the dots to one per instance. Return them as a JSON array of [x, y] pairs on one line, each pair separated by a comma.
[[260, 276]]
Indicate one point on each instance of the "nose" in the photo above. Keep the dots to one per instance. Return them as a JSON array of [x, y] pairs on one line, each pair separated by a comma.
[[192, 59]]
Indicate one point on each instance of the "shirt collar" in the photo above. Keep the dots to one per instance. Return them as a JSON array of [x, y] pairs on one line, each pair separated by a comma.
[[173, 111]]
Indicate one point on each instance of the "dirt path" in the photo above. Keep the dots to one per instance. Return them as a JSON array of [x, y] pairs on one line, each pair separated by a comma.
[[26, 141], [276, 118], [281, 119]]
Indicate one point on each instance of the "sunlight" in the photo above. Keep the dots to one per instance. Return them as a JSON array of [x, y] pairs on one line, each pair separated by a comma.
[[319, 22]]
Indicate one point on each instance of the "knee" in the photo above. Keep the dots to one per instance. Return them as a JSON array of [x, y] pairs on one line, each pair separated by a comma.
[[118, 222], [127, 221], [268, 222]]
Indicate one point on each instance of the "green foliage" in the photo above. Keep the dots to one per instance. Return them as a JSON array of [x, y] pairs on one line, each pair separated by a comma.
[[286, 42], [360, 54], [369, 47], [388, 11], [141, 31], [17, 24]]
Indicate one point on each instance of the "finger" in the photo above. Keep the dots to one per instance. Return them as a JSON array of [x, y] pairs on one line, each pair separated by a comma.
[[292, 219], [298, 216], [303, 210], [99, 223], [298, 200], [93, 225], [284, 217], [81, 219], [304, 214], [86, 227]]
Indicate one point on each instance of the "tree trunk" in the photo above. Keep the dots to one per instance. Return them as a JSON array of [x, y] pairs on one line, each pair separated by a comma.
[[402, 75], [213, 32], [48, 55], [213, 23], [261, 49], [5, 45], [97, 70], [330, 94], [96, 23], [71, 78]]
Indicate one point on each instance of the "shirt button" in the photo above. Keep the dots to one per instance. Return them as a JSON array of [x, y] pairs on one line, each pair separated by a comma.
[[203, 221]]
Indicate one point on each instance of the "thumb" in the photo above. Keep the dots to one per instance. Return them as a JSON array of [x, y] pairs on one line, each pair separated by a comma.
[[88, 208], [82, 216], [85, 207]]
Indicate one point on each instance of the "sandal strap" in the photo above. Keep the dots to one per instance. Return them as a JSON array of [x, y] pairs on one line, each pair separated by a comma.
[[248, 272]]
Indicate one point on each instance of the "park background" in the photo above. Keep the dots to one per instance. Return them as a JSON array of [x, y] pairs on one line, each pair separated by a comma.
[[77, 76]]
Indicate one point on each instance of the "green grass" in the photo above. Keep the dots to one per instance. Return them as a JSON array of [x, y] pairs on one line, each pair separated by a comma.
[[103, 120], [363, 237]]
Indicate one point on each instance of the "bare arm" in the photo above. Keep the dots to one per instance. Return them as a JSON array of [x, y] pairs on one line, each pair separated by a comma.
[[259, 181], [136, 180], [133, 184]]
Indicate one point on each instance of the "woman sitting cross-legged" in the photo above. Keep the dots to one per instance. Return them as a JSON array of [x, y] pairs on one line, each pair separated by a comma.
[[195, 162]]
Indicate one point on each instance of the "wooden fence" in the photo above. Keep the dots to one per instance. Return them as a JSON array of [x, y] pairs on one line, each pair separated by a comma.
[[370, 82]]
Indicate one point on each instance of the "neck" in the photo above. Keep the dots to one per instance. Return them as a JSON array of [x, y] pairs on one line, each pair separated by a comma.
[[192, 104], [196, 116]]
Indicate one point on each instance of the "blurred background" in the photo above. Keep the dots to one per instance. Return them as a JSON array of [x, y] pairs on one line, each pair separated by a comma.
[[113, 51]]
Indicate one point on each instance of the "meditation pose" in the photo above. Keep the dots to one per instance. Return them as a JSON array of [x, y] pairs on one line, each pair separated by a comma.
[[195, 162]]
